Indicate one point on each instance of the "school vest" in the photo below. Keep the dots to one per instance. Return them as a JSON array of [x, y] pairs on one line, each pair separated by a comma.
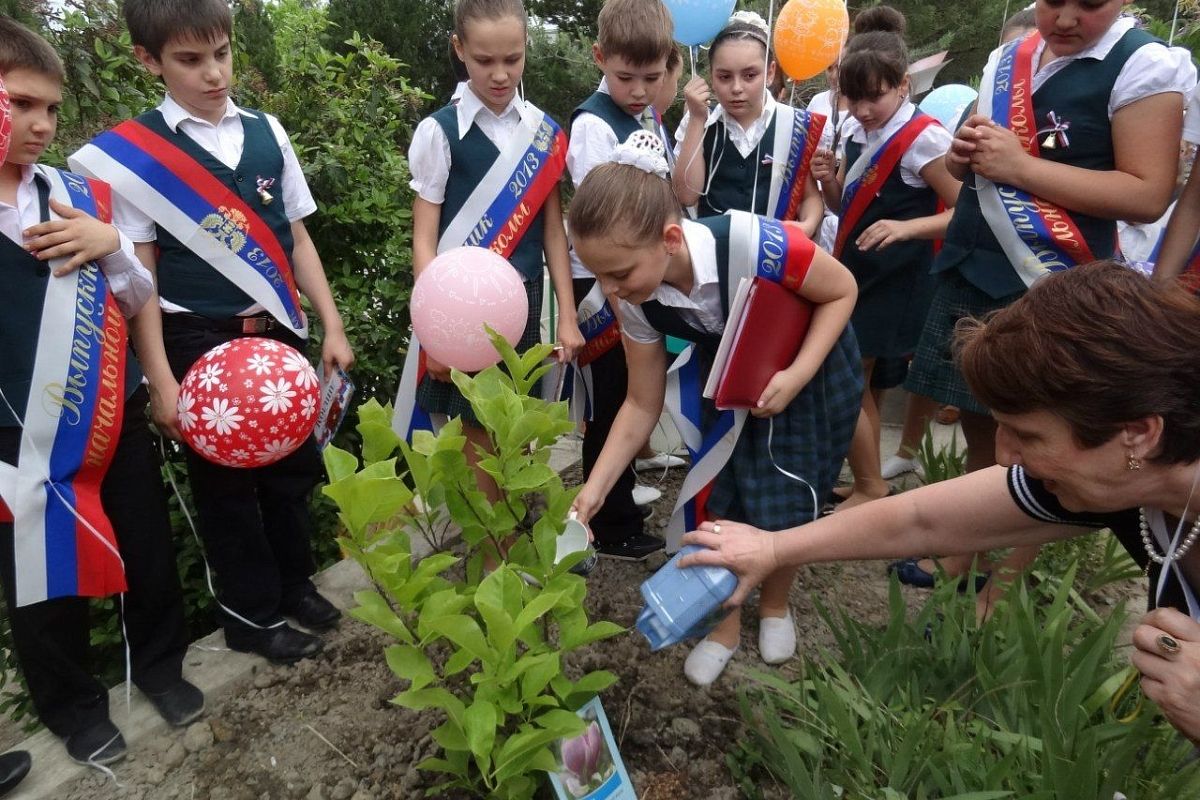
[[1078, 94], [733, 183], [897, 200], [668, 321], [186, 279], [470, 159], [601, 105], [25, 279]]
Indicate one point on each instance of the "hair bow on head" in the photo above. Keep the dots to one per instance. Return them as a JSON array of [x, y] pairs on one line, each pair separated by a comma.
[[750, 18], [645, 151]]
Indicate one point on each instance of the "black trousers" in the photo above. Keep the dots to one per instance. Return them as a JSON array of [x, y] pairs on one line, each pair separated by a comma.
[[51, 638], [619, 517], [255, 523]]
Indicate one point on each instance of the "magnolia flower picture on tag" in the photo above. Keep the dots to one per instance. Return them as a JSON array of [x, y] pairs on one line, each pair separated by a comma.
[[589, 765]]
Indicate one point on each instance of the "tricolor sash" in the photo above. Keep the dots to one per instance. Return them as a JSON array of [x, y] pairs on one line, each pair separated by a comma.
[[1036, 235], [866, 176], [63, 542], [496, 215], [601, 333], [204, 214], [665, 136], [797, 136], [509, 198], [773, 249]]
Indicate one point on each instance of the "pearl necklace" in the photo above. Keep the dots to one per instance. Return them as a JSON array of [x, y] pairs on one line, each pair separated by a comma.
[[1152, 551]]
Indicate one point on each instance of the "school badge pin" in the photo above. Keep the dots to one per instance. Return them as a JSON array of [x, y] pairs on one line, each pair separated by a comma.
[[1055, 132], [263, 185]]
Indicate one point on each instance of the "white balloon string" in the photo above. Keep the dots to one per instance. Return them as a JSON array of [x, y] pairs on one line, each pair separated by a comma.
[[1174, 23], [196, 536], [692, 56], [771, 454]]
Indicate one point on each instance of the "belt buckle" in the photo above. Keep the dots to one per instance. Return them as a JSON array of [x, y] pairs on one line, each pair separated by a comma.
[[255, 325]]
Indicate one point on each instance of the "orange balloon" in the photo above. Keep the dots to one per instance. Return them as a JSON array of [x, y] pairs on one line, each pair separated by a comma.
[[809, 35]]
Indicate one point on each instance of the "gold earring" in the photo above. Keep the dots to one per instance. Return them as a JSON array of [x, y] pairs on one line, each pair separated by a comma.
[[1133, 463]]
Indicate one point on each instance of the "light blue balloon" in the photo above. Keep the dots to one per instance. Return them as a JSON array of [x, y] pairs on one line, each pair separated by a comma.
[[698, 21], [947, 103]]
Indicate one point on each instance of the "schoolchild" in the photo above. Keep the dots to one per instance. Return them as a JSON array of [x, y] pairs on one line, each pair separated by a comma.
[[213, 196], [1077, 125], [750, 153], [463, 160], [88, 501], [1179, 255], [674, 277], [632, 50], [888, 189]]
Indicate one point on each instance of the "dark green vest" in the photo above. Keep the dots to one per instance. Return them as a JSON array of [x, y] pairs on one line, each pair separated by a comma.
[[1078, 94], [184, 278], [470, 159], [896, 200], [667, 320], [601, 104], [732, 185], [25, 280]]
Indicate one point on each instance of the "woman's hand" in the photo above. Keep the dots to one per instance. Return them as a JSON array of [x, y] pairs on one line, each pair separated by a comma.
[[1168, 656], [882, 233], [744, 550], [966, 138], [696, 95]]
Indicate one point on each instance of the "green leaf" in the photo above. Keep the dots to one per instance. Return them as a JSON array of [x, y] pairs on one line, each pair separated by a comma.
[[373, 610], [480, 727], [339, 464], [464, 632], [536, 608], [410, 663]]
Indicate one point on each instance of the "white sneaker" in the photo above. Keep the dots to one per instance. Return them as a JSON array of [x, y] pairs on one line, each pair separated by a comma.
[[897, 465], [660, 461], [706, 662], [777, 638], [645, 495]]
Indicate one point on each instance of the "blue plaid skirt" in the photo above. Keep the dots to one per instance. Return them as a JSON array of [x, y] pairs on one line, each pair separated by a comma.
[[934, 370], [809, 438], [443, 397]]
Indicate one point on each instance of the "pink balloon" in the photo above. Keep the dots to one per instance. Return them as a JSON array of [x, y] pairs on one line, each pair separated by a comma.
[[456, 295], [248, 403], [5, 122]]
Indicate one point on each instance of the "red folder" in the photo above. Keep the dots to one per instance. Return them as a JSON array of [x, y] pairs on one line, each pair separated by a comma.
[[767, 324]]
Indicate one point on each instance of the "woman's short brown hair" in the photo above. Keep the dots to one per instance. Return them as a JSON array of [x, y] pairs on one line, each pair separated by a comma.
[[1099, 345]]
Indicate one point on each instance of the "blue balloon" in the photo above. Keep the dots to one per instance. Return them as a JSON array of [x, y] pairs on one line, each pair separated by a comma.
[[947, 103], [698, 21]]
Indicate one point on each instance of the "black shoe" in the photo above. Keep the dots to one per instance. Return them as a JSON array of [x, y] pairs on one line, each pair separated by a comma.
[[100, 744], [282, 644], [314, 612], [179, 704], [14, 767], [636, 548]]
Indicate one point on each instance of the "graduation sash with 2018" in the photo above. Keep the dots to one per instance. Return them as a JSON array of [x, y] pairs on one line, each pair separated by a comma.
[[1036, 235], [496, 215], [758, 246], [63, 543]]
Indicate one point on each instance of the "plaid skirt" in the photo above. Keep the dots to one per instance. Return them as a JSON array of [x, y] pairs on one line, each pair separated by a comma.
[[809, 438], [934, 371], [443, 397]]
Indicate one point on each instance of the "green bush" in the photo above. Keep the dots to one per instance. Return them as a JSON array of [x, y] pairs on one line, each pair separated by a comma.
[[1033, 704], [485, 649]]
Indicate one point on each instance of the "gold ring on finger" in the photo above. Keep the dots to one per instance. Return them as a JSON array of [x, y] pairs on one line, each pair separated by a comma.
[[1167, 645]]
